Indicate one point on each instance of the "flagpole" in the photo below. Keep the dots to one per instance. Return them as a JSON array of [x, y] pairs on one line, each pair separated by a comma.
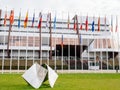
[[34, 46], [101, 53], [19, 52], [50, 56], [40, 17], [47, 26], [62, 52], [3, 57], [48, 52], [26, 50], [19, 40], [55, 55], [76, 17], [3, 54], [11, 59], [119, 50], [40, 45], [69, 54], [8, 52], [81, 46]]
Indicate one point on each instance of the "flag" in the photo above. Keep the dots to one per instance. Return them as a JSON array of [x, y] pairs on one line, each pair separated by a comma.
[[26, 20], [111, 23], [75, 24], [47, 21], [40, 20], [62, 41], [86, 23], [11, 17], [68, 22], [54, 22], [80, 39], [93, 25], [81, 24], [99, 23], [19, 19], [105, 22], [33, 20], [5, 18], [116, 28]]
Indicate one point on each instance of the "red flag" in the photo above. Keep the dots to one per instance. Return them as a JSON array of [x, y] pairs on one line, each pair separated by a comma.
[[5, 18], [11, 17], [40, 21], [81, 26], [99, 23], [86, 23], [75, 25], [26, 20], [116, 28]]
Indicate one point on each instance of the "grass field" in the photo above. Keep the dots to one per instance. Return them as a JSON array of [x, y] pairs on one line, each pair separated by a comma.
[[65, 82]]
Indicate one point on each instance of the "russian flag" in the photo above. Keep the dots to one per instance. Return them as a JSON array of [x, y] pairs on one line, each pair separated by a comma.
[[40, 21]]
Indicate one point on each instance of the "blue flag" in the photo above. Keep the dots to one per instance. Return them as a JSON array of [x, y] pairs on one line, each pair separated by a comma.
[[33, 20], [93, 26], [54, 22], [80, 39], [19, 20]]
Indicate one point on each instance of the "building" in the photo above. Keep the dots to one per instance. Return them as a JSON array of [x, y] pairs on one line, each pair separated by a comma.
[[58, 45]]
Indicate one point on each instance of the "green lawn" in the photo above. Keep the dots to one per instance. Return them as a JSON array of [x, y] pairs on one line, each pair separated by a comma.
[[65, 82]]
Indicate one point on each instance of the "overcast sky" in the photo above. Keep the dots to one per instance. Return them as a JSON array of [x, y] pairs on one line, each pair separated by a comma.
[[90, 7], [73, 6]]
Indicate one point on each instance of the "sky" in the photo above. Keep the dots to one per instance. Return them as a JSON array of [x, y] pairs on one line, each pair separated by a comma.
[[73, 6], [62, 7]]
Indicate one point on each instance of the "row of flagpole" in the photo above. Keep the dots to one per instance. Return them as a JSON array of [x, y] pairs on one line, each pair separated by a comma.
[[11, 22], [81, 23]]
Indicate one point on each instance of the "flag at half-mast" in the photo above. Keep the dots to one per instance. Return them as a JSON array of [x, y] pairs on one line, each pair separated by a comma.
[[62, 38], [26, 20], [86, 23], [19, 19], [5, 18], [11, 17], [116, 28], [99, 23], [68, 22], [40, 20], [33, 20]]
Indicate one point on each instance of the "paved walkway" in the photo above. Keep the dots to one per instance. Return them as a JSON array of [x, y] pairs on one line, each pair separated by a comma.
[[66, 71]]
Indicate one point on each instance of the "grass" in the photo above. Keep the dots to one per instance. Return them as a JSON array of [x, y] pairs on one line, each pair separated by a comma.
[[65, 82]]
